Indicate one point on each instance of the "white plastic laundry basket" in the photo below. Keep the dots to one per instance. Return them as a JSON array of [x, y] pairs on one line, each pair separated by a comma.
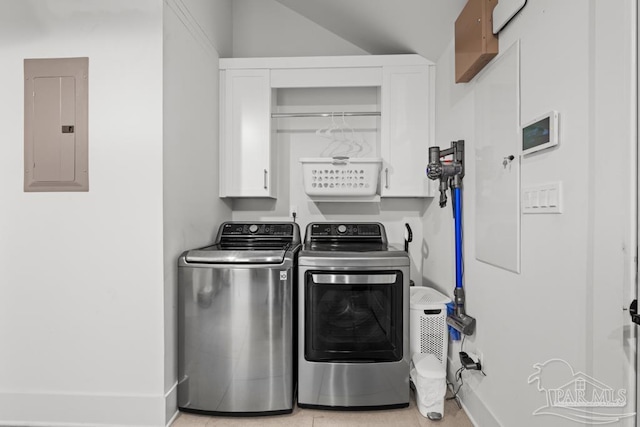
[[341, 176], [428, 323]]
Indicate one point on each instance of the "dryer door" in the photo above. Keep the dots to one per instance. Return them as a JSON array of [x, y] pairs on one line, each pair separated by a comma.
[[353, 316]]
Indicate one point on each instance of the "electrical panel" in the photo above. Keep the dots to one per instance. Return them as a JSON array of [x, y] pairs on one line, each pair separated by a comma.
[[56, 124]]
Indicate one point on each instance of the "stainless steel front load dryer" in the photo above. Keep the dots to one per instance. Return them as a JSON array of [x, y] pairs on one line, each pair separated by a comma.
[[353, 340], [235, 321]]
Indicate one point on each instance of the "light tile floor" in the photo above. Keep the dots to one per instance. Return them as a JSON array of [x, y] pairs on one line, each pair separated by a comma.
[[406, 417]]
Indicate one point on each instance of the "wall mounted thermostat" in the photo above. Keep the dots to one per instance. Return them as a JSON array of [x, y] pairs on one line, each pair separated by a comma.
[[541, 133]]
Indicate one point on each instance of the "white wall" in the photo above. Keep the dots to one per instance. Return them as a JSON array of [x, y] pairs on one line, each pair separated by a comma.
[[577, 267], [81, 302], [267, 28], [192, 210], [388, 26], [210, 19]]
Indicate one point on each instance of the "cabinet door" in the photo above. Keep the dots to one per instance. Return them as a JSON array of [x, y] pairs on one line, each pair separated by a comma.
[[407, 130], [246, 156]]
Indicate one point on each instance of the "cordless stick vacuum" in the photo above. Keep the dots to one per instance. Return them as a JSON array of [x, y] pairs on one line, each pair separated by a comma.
[[450, 174]]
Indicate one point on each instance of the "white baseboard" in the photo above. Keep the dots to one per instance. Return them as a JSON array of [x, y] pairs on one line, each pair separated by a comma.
[[75, 410], [479, 414], [171, 404]]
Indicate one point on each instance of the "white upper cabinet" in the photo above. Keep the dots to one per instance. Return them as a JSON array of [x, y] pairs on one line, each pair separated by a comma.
[[247, 91], [247, 158], [407, 130]]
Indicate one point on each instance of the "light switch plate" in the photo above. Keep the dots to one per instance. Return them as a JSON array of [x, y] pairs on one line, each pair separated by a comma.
[[542, 199]]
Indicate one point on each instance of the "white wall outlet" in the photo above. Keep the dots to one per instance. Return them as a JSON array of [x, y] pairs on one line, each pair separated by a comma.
[[293, 210], [477, 356]]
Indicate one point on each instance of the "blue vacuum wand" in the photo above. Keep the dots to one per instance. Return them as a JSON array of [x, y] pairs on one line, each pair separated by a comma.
[[450, 175]]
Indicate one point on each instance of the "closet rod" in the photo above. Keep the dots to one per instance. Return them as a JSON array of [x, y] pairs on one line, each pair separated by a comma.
[[336, 115]]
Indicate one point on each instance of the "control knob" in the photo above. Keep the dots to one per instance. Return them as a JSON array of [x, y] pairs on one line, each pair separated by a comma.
[[253, 228], [342, 229]]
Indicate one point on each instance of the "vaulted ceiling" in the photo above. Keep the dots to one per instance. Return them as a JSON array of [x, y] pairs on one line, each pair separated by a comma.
[[386, 26]]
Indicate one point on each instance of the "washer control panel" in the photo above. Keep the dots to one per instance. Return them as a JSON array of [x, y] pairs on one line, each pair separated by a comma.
[[260, 229]]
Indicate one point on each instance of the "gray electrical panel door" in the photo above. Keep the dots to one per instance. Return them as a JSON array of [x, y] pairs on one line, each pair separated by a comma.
[[56, 124]]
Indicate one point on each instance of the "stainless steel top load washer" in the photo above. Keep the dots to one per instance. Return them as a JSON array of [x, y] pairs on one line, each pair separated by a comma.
[[235, 321], [353, 338]]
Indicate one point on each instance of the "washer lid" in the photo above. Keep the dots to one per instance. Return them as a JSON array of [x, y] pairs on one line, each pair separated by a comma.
[[249, 243], [215, 255]]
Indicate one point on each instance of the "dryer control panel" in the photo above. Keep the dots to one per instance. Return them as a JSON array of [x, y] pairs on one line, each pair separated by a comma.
[[346, 229]]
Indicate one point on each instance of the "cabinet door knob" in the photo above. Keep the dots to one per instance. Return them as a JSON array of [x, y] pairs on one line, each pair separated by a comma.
[[265, 179]]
